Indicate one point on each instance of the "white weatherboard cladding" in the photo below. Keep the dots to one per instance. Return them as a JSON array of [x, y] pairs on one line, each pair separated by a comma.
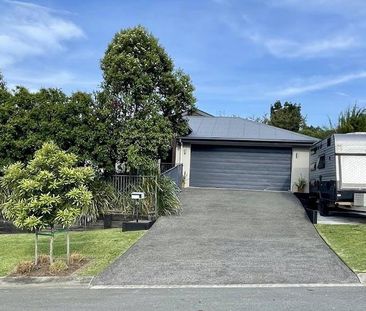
[[353, 171]]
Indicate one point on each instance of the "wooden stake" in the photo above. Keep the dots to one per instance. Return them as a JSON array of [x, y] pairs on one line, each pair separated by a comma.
[[51, 250], [36, 249], [68, 247]]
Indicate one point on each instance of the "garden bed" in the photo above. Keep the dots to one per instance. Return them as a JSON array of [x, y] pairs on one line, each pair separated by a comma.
[[43, 269]]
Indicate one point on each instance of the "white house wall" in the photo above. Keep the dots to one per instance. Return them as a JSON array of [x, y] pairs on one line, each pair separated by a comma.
[[183, 155], [300, 167]]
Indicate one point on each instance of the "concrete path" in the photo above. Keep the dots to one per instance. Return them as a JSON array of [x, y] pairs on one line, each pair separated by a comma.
[[342, 219], [230, 237]]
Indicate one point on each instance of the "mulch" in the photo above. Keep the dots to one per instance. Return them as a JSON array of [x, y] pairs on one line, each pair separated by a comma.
[[42, 269]]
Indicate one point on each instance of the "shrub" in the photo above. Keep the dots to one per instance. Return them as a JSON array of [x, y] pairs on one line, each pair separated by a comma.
[[57, 267], [168, 200], [167, 196], [49, 190], [43, 259], [76, 258], [24, 267], [352, 120]]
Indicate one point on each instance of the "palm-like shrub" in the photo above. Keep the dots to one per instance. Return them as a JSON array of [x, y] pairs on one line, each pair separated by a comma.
[[160, 191], [352, 120], [167, 197]]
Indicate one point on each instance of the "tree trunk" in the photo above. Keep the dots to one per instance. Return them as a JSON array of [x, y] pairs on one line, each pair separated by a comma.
[[36, 249]]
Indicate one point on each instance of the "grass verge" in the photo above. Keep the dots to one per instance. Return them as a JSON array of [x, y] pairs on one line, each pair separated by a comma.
[[348, 242], [101, 247]]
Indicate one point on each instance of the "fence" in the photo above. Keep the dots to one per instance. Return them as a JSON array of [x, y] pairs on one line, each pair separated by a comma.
[[165, 167], [176, 174], [126, 184]]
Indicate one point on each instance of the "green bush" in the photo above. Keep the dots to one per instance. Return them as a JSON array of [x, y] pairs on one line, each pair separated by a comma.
[[49, 190], [166, 193], [168, 199]]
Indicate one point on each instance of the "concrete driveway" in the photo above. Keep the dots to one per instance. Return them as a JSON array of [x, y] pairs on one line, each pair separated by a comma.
[[230, 237]]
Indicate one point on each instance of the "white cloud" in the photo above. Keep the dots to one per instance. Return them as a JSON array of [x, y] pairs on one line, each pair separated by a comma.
[[341, 7], [301, 39], [320, 84], [293, 49], [57, 79], [27, 29]]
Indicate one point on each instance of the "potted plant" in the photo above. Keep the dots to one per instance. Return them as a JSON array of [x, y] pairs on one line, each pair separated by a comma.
[[301, 184]]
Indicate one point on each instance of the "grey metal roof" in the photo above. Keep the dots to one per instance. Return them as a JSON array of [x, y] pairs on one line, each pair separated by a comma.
[[238, 129]]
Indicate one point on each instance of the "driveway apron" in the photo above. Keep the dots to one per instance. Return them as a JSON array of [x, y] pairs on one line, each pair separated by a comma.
[[230, 237]]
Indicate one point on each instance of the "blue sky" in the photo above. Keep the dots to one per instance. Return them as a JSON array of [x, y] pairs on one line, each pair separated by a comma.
[[241, 55]]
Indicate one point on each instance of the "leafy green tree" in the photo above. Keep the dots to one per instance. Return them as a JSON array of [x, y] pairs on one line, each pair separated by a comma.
[[317, 131], [287, 116], [48, 191], [351, 120], [2, 82], [146, 97], [73, 122]]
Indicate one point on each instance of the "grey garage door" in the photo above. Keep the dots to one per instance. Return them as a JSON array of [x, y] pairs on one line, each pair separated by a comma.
[[240, 167]]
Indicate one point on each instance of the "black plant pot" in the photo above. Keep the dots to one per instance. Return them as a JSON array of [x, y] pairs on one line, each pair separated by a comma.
[[107, 221]]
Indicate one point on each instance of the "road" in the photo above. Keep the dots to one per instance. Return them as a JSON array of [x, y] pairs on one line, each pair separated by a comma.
[[185, 299]]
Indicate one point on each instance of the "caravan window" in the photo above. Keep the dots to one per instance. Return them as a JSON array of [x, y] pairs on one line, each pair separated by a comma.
[[321, 162], [313, 166]]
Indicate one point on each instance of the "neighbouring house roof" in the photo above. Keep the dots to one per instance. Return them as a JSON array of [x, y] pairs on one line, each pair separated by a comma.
[[239, 129], [198, 113]]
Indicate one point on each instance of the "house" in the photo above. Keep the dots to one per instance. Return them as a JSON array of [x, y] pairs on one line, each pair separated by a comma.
[[232, 152]]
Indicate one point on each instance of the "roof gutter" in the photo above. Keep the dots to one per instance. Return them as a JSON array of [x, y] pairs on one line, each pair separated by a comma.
[[239, 142]]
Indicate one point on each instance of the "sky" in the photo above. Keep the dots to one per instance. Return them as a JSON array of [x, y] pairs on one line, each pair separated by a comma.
[[242, 56]]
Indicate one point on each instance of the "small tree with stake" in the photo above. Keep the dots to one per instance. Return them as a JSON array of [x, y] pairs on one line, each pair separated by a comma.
[[51, 190]]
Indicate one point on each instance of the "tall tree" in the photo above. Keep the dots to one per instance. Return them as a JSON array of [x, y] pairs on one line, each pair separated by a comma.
[[146, 97], [287, 116], [2, 82]]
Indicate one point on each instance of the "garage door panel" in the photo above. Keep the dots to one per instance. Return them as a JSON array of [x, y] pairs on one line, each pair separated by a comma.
[[240, 167]]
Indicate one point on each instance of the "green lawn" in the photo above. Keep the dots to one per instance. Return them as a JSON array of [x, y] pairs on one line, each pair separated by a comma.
[[100, 246], [349, 242]]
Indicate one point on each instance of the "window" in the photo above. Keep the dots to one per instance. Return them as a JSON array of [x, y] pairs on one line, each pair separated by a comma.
[[321, 162], [313, 166], [329, 142]]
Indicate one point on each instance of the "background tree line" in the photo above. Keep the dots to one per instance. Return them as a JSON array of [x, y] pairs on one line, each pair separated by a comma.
[[131, 120], [288, 116]]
